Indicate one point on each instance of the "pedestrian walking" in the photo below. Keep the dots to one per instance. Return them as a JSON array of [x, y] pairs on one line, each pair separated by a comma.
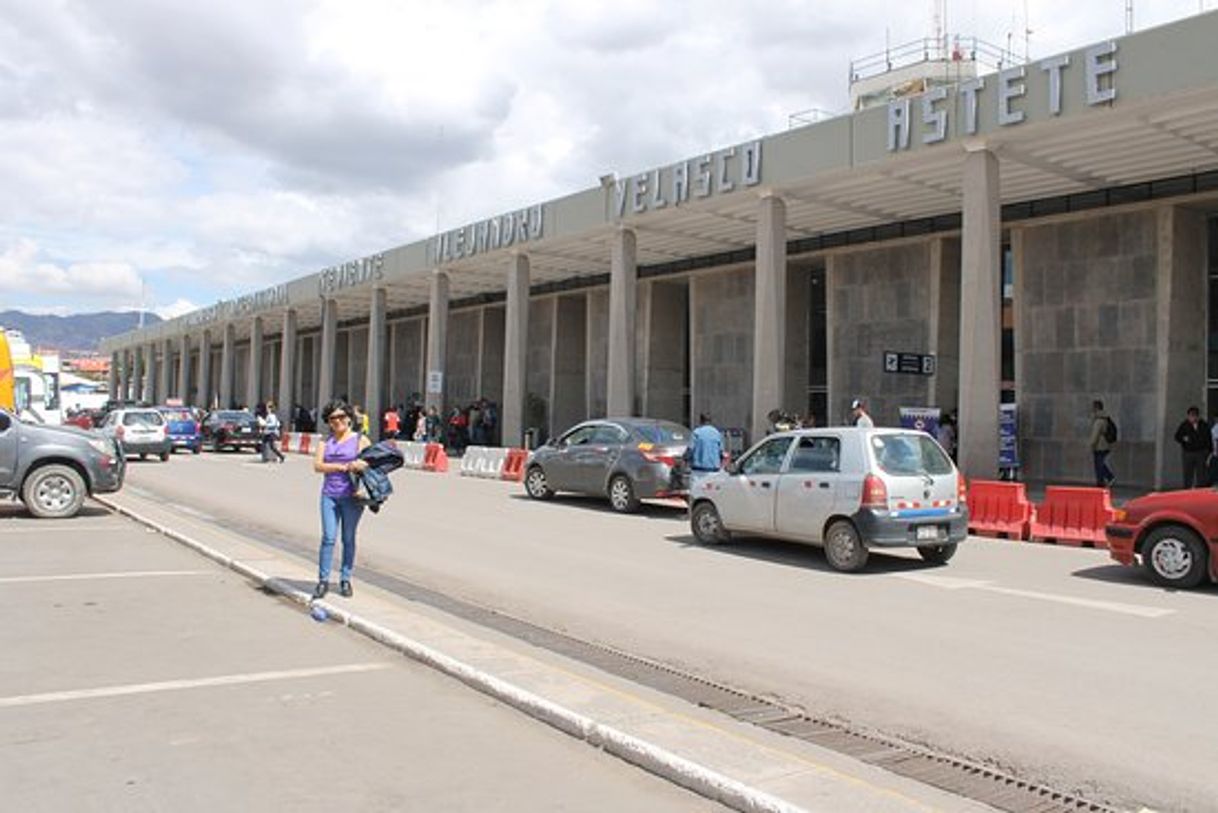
[[858, 413], [271, 430], [1193, 435], [1100, 444], [336, 459], [705, 453], [390, 422], [946, 434]]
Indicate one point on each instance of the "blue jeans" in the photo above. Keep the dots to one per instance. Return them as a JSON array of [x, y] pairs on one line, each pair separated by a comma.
[[1103, 474], [335, 511]]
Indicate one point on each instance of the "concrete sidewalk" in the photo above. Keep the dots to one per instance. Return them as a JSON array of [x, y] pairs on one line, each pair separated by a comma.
[[742, 766]]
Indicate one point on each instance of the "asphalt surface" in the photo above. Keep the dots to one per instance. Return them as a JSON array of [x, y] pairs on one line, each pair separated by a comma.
[[138, 676], [1054, 663]]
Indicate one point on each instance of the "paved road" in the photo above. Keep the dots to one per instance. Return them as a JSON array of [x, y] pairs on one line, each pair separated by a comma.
[[1052, 661], [138, 676]]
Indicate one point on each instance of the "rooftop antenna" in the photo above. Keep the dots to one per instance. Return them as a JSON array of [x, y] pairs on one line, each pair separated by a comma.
[[1027, 33], [143, 291], [1128, 16]]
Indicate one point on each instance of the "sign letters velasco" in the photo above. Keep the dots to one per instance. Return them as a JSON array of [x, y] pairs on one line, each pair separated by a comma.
[[711, 174], [350, 274], [1001, 100]]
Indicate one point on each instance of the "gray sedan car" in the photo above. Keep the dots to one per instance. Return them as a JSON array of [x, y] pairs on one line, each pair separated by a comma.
[[625, 459]]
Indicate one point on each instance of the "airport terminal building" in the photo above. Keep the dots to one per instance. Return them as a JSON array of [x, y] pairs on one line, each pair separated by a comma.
[[1042, 235]]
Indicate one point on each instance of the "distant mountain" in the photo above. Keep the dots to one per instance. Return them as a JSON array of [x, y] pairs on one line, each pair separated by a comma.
[[81, 331]]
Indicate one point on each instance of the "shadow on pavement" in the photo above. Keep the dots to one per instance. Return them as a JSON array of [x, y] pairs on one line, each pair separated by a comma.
[[1136, 577], [15, 510], [807, 557], [587, 502]]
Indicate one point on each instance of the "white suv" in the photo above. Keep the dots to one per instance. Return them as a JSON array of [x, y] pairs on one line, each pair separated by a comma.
[[138, 430], [846, 489]]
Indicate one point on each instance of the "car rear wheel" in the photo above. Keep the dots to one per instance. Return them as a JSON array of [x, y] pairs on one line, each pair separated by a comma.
[[707, 526], [621, 495], [1174, 556], [164, 457], [53, 492], [535, 484], [937, 554], [844, 550]]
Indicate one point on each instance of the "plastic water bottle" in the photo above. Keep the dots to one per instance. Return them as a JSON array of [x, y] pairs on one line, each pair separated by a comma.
[[318, 612]]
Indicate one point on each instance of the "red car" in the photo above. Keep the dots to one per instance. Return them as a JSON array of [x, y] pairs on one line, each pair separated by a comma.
[[1175, 533]]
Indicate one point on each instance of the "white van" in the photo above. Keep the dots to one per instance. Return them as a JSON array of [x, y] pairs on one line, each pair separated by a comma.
[[846, 489]]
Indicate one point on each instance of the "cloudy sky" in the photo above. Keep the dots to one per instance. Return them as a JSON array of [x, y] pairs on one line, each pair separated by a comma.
[[178, 153]]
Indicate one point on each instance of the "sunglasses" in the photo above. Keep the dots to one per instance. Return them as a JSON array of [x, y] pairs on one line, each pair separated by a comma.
[[339, 417]]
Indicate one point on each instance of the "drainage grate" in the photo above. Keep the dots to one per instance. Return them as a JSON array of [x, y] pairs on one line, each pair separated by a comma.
[[968, 779]]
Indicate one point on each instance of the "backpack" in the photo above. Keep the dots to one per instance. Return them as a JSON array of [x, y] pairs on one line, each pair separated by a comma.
[[1110, 430]]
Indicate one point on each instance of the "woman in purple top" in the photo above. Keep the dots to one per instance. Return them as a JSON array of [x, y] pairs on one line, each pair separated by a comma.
[[336, 459]]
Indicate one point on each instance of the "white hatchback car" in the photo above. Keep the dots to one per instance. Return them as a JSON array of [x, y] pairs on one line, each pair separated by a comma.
[[846, 489], [138, 430]]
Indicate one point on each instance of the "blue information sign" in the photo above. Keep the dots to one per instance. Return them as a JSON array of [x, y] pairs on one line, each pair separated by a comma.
[[1008, 436]]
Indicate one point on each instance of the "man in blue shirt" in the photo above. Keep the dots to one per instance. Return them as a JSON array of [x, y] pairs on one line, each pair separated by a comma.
[[706, 452]]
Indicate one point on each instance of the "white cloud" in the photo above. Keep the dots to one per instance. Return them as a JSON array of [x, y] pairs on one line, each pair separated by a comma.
[[24, 273], [176, 308]]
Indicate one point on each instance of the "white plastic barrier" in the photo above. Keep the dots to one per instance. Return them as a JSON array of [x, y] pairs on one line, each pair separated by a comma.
[[413, 454], [483, 461]]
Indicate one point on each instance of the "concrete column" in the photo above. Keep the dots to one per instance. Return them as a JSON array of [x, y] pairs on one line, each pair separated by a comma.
[[148, 391], [124, 374], [980, 324], [165, 371], [226, 365], [437, 340], [329, 340], [112, 378], [623, 303], [374, 394], [253, 371], [515, 350], [205, 393], [287, 367], [184, 369], [769, 312]]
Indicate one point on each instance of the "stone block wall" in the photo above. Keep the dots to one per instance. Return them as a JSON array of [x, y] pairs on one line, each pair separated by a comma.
[[722, 352], [406, 361], [664, 361], [538, 360], [878, 300], [568, 393], [357, 366], [598, 352], [493, 340], [1088, 327]]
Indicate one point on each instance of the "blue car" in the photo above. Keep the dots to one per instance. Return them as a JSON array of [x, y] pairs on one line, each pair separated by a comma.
[[183, 429]]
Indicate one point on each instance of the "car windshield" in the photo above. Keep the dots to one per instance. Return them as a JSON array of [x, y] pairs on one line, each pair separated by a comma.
[[143, 419], [237, 417], [177, 415], [662, 433], [910, 454]]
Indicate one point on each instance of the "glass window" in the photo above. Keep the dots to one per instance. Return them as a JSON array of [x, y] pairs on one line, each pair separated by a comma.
[[580, 435], [143, 419], [816, 455], [909, 454], [5, 421], [766, 458], [663, 433], [177, 415], [609, 434]]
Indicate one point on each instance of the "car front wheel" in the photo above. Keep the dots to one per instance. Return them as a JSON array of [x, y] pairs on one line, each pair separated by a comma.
[[54, 492], [707, 525], [937, 554], [535, 484], [1174, 556], [621, 495], [844, 550]]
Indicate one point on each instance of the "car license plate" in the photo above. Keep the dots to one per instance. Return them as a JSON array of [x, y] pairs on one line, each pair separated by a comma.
[[928, 532]]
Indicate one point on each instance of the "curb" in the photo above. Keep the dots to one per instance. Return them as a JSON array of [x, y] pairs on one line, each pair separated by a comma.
[[638, 752]]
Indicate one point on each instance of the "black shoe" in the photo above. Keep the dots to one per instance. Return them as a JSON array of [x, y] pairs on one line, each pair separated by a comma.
[[344, 589], [321, 589]]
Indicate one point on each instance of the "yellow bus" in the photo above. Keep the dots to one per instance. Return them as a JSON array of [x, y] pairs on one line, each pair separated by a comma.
[[7, 394]]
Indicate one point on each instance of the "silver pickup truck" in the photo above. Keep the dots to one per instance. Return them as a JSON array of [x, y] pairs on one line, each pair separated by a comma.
[[53, 468]]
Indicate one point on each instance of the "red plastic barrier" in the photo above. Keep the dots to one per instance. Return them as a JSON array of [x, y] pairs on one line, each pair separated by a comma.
[[996, 507], [513, 466], [305, 439], [435, 458], [1073, 515], [285, 443]]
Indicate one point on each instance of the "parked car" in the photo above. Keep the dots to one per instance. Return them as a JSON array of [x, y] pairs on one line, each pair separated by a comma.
[[231, 429], [183, 429], [845, 489], [51, 469], [1174, 532], [625, 459], [139, 431]]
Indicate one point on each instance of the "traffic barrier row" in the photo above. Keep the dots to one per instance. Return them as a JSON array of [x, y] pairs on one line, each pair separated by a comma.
[[513, 466], [413, 454], [435, 458], [1068, 515], [299, 442], [483, 461]]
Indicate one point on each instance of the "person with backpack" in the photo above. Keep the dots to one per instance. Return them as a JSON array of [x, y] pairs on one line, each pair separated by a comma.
[[1103, 437]]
